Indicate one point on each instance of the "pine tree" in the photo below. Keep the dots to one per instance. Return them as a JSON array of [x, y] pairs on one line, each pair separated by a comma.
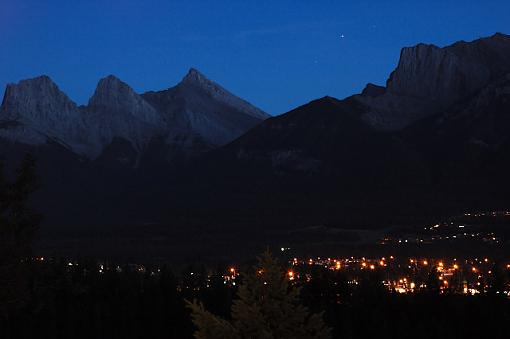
[[267, 307], [23, 219], [17, 225]]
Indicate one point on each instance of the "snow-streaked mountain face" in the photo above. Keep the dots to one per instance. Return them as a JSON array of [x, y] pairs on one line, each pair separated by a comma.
[[116, 111], [199, 106], [195, 78], [113, 95], [35, 112], [429, 80]]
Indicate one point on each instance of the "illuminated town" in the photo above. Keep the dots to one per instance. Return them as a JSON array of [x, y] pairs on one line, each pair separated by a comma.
[[468, 226], [398, 275], [408, 275]]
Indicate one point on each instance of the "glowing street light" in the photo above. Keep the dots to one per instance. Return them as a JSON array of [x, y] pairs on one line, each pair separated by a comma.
[[290, 274]]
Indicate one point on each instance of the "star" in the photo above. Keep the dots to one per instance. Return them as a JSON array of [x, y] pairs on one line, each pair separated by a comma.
[[342, 36]]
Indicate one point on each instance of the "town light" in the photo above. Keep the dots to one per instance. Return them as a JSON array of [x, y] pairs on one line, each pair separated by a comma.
[[290, 274]]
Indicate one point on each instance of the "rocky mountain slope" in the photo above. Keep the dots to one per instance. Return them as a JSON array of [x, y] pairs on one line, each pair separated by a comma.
[[433, 141], [429, 80], [197, 110], [35, 111], [201, 106], [96, 161]]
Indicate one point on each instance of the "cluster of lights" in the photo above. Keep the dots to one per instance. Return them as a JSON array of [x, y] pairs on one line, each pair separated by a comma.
[[230, 277], [419, 268], [452, 229], [447, 270]]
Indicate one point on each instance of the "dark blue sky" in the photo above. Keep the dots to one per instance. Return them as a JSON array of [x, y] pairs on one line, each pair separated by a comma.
[[275, 54]]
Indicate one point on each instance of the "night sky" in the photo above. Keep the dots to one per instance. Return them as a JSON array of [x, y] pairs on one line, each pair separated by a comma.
[[275, 54]]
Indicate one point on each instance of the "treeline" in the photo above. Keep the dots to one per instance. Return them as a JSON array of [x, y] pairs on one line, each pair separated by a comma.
[[84, 301]]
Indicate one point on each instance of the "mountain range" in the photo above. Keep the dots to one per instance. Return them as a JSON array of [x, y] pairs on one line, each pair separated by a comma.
[[434, 140], [195, 112]]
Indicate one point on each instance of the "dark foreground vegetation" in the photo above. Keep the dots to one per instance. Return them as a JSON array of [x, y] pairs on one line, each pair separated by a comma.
[[83, 301], [52, 298]]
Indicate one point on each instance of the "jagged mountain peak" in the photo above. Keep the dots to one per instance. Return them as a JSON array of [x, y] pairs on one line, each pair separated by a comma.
[[39, 86], [194, 80], [42, 79], [34, 97], [111, 92], [111, 80], [195, 76], [429, 80], [197, 106], [445, 75], [39, 111], [121, 112], [202, 107], [198, 79]]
